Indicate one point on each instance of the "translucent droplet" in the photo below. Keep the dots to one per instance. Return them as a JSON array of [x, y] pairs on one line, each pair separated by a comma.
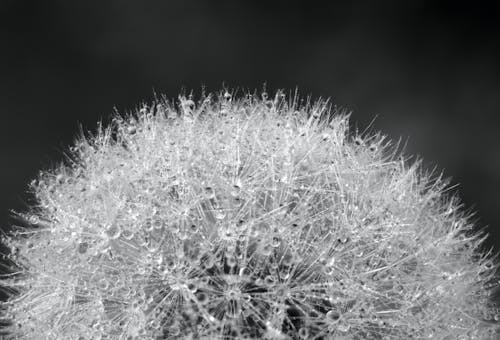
[[131, 129], [301, 296], [193, 228], [231, 261], [192, 287], [276, 242], [332, 315], [103, 284], [303, 333], [127, 234], [113, 232], [209, 192], [236, 188], [219, 214], [209, 262], [269, 280], [343, 240], [287, 260], [159, 259], [202, 298], [83, 247], [245, 271], [148, 225]]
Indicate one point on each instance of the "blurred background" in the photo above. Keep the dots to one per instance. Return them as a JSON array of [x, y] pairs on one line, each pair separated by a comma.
[[427, 70]]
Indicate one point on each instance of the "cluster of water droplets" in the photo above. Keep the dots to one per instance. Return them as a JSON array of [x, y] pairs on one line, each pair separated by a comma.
[[243, 219]]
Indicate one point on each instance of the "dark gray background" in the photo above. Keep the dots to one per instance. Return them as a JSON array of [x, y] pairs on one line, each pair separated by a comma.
[[429, 70]]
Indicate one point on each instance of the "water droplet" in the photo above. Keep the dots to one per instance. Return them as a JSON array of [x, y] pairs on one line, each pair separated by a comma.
[[103, 284], [131, 130], [276, 242], [113, 232], [127, 234], [269, 280], [148, 225], [83, 247], [245, 271], [219, 214], [209, 261], [202, 298], [231, 261], [209, 192], [192, 287], [343, 240], [194, 228], [287, 260], [333, 315]]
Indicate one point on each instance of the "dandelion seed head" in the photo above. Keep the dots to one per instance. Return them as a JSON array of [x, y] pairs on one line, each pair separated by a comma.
[[244, 219]]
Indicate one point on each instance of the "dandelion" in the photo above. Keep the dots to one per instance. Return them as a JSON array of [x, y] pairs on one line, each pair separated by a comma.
[[244, 219]]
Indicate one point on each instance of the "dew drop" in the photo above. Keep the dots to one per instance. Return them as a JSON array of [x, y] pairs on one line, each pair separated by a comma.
[[332, 315], [131, 129], [202, 298], [231, 261], [343, 240], [276, 242], [301, 296], [127, 234], [148, 225], [193, 228], [219, 214], [303, 333], [113, 232], [269, 280], [83, 247], [192, 287], [245, 271], [209, 192], [209, 262], [103, 284]]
